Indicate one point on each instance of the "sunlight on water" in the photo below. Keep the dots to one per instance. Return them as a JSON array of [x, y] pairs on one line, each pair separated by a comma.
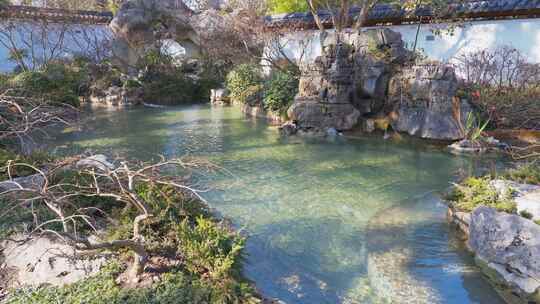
[[341, 221]]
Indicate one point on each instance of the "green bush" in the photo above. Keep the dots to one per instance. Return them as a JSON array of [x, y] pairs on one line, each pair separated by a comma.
[[475, 192], [280, 91], [288, 6], [169, 87], [210, 248], [56, 83], [242, 80], [4, 81]]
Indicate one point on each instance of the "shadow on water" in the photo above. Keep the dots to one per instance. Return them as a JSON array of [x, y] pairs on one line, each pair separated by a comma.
[[425, 256]]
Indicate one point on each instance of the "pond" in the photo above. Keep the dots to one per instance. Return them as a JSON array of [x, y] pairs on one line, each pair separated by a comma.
[[348, 220]]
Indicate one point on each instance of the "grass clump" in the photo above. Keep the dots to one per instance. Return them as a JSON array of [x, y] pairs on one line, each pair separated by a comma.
[[528, 173], [475, 192], [174, 287]]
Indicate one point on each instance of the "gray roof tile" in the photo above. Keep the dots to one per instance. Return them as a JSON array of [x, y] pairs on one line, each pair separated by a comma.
[[385, 11]]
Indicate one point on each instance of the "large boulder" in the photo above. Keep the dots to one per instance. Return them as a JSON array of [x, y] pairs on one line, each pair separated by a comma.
[[507, 248], [138, 24], [34, 261], [425, 102]]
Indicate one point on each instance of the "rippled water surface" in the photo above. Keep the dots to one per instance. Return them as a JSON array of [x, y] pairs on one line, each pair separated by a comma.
[[329, 221]]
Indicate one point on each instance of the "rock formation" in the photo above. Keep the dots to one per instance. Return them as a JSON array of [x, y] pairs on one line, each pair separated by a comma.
[[140, 23], [507, 248], [371, 75], [326, 92], [424, 98]]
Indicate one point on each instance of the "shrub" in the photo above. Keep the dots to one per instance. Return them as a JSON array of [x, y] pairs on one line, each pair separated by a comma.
[[182, 227], [475, 192], [503, 85], [210, 248], [245, 77], [175, 287], [280, 91], [169, 87], [57, 83], [287, 6]]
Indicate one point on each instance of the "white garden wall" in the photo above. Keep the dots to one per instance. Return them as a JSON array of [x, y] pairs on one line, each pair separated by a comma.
[[523, 34]]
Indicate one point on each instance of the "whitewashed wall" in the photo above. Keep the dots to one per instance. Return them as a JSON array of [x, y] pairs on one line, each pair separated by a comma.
[[78, 39], [522, 34]]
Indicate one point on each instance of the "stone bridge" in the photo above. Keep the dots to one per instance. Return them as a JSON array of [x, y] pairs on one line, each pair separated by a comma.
[[55, 15]]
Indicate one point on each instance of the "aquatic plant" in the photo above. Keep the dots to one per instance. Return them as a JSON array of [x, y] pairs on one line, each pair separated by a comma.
[[474, 128]]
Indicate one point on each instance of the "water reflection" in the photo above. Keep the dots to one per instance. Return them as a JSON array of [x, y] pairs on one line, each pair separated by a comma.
[[317, 212]]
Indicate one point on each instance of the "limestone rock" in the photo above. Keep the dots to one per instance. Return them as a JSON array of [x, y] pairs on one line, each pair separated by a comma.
[[529, 203], [425, 103], [98, 161], [35, 181], [316, 115], [42, 260], [527, 197], [378, 53], [507, 247], [139, 23], [480, 146]]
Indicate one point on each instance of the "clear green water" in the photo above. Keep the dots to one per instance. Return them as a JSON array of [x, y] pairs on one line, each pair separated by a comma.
[[316, 211]]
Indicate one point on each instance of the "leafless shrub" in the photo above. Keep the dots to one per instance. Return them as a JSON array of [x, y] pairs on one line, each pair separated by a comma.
[[22, 117], [504, 85], [77, 223], [502, 68]]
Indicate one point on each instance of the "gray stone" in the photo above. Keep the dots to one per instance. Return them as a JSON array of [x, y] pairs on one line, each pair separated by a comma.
[[98, 161], [368, 125], [479, 146], [316, 115], [42, 260], [370, 77], [288, 129], [138, 24], [507, 247], [331, 132], [529, 203], [34, 181], [425, 102], [527, 197]]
